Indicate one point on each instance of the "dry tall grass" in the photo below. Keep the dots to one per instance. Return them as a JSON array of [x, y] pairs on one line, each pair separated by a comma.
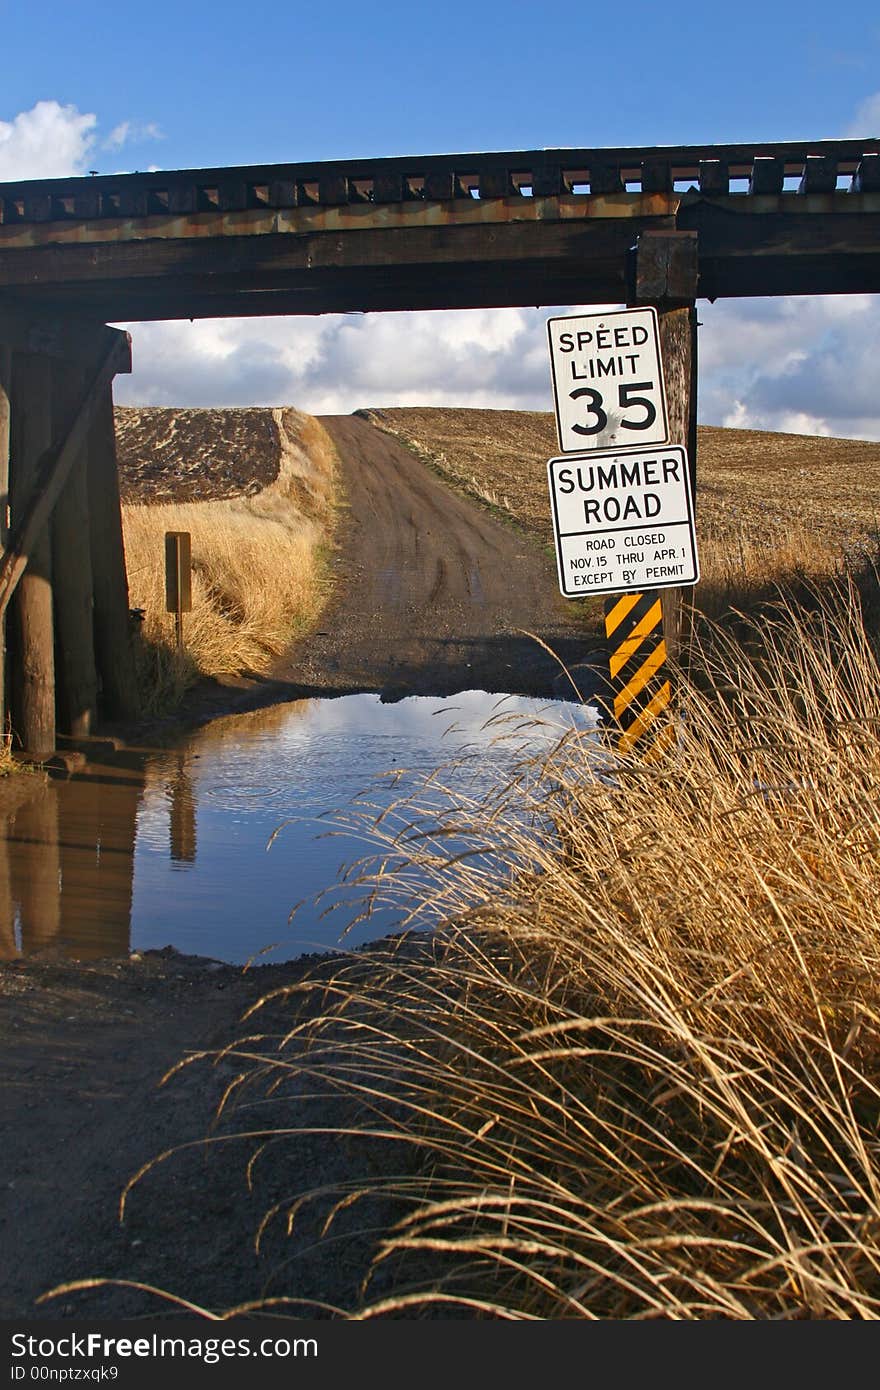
[[7, 762], [258, 571], [638, 1072], [770, 482], [744, 563]]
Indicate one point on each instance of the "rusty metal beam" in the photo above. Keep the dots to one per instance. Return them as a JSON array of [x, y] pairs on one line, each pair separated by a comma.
[[417, 176], [540, 227], [337, 218], [430, 267], [580, 260]]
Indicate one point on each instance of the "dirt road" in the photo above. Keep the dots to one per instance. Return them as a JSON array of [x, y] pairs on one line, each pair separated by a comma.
[[432, 593]]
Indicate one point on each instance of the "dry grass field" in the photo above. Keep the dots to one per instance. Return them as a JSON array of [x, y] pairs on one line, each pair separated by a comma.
[[255, 489], [635, 1075], [258, 568], [771, 508]]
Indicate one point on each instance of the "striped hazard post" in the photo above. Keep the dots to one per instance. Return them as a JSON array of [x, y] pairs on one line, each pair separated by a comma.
[[640, 684]]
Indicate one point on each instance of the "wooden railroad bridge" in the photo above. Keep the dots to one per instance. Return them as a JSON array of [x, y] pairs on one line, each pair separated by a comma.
[[664, 226]]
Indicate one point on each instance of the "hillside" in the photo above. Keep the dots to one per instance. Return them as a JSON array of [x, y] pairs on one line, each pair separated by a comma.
[[771, 508], [752, 485]]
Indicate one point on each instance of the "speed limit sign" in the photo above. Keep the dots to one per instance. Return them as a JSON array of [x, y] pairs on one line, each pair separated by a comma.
[[608, 380]]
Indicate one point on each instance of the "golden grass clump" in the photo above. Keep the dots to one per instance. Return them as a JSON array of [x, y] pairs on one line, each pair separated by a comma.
[[258, 567], [7, 762], [637, 1073], [746, 561]]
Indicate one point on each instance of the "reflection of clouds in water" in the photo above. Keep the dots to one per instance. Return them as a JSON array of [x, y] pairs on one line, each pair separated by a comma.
[[324, 752], [311, 767], [452, 719], [152, 821], [336, 749]]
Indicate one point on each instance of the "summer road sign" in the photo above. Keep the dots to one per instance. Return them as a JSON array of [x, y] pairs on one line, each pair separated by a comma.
[[623, 521], [608, 380]]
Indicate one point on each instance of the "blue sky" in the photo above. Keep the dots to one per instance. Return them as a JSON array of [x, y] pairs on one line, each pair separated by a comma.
[[117, 87]]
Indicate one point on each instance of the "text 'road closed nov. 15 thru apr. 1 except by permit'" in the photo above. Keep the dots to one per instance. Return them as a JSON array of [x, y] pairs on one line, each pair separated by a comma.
[[623, 521]]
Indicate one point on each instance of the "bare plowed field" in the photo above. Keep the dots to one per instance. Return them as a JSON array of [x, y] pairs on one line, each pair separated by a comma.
[[174, 455], [749, 482]]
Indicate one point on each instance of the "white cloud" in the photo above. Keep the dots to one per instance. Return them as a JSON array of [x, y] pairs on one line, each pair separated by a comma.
[[336, 363], [52, 141], [132, 133], [799, 422], [799, 365], [49, 141], [866, 121], [117, 137], [803, 365], [784, 422]]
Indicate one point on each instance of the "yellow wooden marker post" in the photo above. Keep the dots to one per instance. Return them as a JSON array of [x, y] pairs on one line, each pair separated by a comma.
[[641, 689]]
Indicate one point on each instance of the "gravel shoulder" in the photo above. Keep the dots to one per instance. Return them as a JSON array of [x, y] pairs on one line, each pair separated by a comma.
[[84, 1106]]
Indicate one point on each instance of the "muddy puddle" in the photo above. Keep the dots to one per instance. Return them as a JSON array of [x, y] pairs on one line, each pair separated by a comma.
[[208, 846]]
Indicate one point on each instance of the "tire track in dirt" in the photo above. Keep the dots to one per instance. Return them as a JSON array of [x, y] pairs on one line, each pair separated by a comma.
[[430, 591]]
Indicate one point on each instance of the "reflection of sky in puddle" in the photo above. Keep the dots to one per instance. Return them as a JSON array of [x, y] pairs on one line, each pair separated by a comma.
[[204, 879]]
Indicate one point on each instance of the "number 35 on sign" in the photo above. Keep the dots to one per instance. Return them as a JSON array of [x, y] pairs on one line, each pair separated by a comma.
[[608, 380]]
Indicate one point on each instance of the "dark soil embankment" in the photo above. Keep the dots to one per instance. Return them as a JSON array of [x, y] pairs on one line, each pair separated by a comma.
[[171, 455], [83, 1050]]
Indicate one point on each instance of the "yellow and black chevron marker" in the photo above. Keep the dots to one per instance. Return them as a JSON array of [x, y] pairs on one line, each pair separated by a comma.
[[640, 684]]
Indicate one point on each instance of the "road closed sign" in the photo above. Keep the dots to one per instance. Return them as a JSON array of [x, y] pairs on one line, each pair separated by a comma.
[[608, 380], [623, 521]]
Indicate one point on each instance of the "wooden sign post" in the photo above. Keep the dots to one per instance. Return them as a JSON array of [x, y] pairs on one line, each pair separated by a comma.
[[646, 633], [624, 386], [665, 274], [178, 578]]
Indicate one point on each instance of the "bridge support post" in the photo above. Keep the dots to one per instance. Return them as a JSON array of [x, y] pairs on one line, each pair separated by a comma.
[[5, 434], [34, 684], [72, 572], [64, 497], [113, 632]]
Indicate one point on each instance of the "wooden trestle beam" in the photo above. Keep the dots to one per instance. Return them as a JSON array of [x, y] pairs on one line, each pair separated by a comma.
[[55, 380]]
